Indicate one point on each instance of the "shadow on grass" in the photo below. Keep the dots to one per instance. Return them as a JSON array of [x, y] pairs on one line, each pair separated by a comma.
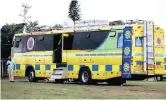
[[24, 80], [99, 84]]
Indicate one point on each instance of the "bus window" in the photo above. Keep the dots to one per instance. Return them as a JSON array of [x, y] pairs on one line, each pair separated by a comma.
[[84, 40], [138, 41], [18, 43], [120, 40], [44, 43], [68, 41]]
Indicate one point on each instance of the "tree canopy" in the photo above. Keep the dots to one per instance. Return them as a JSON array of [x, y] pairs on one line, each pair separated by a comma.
[[7, 33], [74, 11]]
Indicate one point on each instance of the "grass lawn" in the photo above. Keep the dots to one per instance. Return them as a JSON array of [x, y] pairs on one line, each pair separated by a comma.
[[22, 89]]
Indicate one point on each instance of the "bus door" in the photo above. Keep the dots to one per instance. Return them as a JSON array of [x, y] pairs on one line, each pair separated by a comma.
[[67, 45], [57, 48]]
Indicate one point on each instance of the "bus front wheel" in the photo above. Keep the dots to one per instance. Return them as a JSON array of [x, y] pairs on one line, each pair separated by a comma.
[[85, 76]]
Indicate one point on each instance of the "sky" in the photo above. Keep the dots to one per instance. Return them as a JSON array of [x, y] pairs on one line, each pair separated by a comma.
[[51, 12]]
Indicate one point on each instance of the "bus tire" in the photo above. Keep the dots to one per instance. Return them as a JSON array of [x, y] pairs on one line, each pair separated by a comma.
[[85, 76], [31, 76], [159, 78]]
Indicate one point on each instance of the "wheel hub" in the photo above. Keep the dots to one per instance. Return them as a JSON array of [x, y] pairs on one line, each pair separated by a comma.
[[158, 78], [85, 76], [31, 75]]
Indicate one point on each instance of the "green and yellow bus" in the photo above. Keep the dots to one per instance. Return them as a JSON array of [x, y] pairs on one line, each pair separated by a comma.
[[113, 54]]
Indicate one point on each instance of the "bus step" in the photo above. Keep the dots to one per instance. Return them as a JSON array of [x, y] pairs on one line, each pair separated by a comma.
[[150, 68], [150, 74], [59, 73]]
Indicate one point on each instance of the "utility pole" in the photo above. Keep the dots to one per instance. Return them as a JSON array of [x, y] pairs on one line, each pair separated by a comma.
[[26, 7]]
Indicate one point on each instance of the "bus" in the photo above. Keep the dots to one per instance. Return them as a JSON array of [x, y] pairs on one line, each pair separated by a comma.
[[114, 54]]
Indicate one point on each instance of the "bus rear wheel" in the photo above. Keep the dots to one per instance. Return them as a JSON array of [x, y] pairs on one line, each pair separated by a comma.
[[159, 78], [31, 76]]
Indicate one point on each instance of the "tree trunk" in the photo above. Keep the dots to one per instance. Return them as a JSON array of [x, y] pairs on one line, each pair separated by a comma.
[[74, 26]]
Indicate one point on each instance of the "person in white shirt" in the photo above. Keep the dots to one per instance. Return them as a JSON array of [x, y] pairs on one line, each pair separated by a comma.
[[11, 65]]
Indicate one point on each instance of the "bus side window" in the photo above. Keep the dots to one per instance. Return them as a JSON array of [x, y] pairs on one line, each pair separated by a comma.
[[68, 42], [138, 41], [17, 42], [40, 43], [44, 42], [120, 40]]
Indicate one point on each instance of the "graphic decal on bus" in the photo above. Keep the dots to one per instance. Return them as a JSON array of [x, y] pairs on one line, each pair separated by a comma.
[[127, 53], [30, 43], [158, 41]]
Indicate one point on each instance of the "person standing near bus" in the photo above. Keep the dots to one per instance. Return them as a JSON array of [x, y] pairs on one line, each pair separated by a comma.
[[11, 65]]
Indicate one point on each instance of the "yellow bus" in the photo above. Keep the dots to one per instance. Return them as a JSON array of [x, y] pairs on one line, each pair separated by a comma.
[[113, 54]]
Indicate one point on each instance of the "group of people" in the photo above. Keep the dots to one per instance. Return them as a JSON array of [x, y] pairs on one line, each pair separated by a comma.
[[11, 66]]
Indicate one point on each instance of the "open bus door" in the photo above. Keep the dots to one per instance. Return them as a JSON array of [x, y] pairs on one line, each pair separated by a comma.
[[57, 49], [67, 45], [60, 47], [60, 73]]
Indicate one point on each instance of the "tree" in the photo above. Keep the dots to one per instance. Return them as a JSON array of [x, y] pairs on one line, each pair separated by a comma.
[[57, 26], [32, 25], [7, 33], [74, 11]]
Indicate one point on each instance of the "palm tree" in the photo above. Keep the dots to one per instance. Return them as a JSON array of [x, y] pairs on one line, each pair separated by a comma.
[[74, 11]]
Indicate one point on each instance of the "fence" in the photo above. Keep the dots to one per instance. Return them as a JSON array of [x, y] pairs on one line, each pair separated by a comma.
[[4, 72]]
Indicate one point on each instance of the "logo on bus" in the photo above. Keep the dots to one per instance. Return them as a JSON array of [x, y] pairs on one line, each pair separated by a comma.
[[30, 43], [126, 67], [127, 34], [158, 41]]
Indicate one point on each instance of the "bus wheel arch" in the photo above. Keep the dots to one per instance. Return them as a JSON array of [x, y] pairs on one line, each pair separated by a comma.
[[30, 73], [85, 75]]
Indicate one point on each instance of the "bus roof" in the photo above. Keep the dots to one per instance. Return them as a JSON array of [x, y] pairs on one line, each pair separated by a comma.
[[71, 30]]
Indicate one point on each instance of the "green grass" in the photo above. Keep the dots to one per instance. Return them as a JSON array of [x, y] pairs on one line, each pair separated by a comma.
[[22, 89]]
